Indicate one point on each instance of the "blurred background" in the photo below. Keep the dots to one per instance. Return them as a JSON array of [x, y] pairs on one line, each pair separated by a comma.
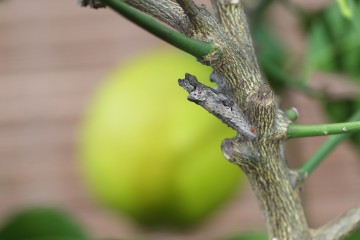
[[54, 55]]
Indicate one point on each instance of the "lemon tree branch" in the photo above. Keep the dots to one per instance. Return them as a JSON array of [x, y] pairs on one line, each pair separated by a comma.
[[243, 99]]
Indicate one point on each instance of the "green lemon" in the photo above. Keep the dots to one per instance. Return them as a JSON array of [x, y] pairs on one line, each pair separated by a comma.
[[150, 154]]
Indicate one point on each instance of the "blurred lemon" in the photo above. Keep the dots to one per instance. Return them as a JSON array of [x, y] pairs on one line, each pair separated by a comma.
[[149, 153]]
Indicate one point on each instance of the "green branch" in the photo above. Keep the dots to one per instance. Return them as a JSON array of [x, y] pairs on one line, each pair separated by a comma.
[[298, 131], [194, 47], [309, 166]]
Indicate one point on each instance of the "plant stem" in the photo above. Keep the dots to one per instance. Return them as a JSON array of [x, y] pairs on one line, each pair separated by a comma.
[[194, 47], [298, 131], [309, 166]]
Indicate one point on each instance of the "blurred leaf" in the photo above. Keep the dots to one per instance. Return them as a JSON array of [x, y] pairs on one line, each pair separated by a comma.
[[345, 8], [249, 236], [272, 57], [41, 224], [320, 48], [334, 41]]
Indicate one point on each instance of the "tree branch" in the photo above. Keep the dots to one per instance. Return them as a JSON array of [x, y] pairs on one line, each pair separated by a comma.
[[247, 103], [341, 227], [275, 191], [232, 17]]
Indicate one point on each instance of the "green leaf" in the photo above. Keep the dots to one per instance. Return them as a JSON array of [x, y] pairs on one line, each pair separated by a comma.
[[41, 224], [321, 52], [334, 41]]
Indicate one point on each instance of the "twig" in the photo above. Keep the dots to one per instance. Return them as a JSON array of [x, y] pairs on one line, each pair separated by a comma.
[[298, 131], [341, 227], [309, 166]]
